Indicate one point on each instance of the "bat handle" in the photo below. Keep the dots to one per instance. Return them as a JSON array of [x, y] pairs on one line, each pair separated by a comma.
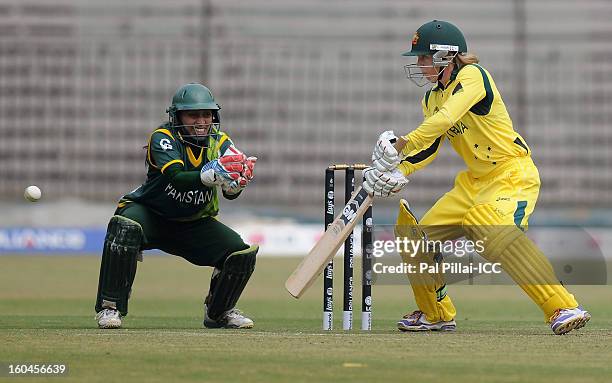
[[399, 144]]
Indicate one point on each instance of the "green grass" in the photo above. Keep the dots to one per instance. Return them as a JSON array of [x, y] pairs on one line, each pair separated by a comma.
[[46, 306]]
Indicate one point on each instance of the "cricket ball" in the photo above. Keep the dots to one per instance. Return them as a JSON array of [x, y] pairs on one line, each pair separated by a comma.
[[32, 193]]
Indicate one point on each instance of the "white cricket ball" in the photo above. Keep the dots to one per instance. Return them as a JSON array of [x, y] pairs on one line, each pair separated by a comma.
[[32, 193]]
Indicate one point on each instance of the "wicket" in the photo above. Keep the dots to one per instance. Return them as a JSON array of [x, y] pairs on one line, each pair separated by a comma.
[[366, 246]]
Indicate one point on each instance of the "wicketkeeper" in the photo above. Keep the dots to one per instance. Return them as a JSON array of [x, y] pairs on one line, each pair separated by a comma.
[[492, 199], [188, 159]]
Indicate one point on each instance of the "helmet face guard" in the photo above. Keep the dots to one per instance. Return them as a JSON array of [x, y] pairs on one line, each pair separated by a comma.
[[206, 140], [443, 56]]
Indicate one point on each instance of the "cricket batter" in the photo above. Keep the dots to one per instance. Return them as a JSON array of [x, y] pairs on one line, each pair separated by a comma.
[[492, 199], [188, 159]]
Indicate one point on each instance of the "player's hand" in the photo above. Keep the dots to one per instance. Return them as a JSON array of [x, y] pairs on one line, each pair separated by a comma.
[[248, 162], [241, 182], [249, 168], [383, 184], [223, 170], [385, 157]]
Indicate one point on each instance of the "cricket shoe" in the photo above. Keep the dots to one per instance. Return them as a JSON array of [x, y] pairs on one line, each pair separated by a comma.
[[566, 320], [230, 319], [109, 318], [417, 322]]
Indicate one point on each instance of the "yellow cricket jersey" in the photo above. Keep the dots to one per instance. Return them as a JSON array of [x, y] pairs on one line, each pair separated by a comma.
[[471, 114]]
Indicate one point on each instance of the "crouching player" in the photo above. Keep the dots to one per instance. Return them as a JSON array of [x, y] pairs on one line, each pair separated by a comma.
[[188, 159], [492, 199]]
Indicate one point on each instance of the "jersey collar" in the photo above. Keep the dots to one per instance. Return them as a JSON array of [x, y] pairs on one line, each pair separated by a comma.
[[453, 76]]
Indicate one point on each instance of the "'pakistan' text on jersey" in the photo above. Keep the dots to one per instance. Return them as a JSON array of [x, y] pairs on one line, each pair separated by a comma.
[[157, 193], [471, 114]]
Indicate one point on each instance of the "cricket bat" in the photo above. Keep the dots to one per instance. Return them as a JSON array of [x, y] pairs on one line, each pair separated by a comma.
[[324, 250]]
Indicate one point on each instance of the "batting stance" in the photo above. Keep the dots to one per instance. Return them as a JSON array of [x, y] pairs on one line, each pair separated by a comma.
[[188, 159], [491, 201]]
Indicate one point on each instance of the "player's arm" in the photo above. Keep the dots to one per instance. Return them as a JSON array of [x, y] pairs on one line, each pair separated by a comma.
[[235, 188], [240, 166], [418, 159], [224, 145], [163, 154], [414, 159], [221, 172], [472, 90], [182, 180]]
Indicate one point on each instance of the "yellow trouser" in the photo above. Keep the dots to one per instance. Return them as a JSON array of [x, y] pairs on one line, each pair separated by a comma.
[[493, 207]]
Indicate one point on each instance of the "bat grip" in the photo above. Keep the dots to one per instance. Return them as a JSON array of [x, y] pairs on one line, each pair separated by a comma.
[[399, 143]]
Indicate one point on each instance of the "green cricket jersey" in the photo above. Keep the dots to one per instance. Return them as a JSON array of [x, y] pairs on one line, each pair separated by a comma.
[[159, 194]]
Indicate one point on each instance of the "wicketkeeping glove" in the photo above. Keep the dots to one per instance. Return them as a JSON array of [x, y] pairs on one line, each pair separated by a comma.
[[249, 168], [385, 157], [383, 184], [223, 171], [246, 176]]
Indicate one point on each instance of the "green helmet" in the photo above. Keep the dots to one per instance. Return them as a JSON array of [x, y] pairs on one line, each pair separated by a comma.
[[439, 39], [194, 96], [435, 36]]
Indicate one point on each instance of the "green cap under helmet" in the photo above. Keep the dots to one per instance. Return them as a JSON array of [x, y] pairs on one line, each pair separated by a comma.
[[435, 36]]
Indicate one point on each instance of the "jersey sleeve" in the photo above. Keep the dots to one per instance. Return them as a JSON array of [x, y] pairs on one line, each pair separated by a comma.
[[415, 159], [418, 159], [163, 150], [223, 145], [182, 180], [470, 89]]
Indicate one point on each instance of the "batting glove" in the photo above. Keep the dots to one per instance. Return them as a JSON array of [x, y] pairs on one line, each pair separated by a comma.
[[383, 184], [385, 157]]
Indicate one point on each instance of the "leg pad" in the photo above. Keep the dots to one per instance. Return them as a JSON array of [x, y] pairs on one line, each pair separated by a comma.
[[429, 288], [122, 246], [227, 284], [519, 257]]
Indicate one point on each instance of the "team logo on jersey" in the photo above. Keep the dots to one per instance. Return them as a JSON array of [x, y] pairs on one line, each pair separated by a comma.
[[165, 144], [415, 38]]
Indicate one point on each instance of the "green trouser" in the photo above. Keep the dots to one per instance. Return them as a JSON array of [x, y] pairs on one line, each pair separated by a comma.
[[203, 242]]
